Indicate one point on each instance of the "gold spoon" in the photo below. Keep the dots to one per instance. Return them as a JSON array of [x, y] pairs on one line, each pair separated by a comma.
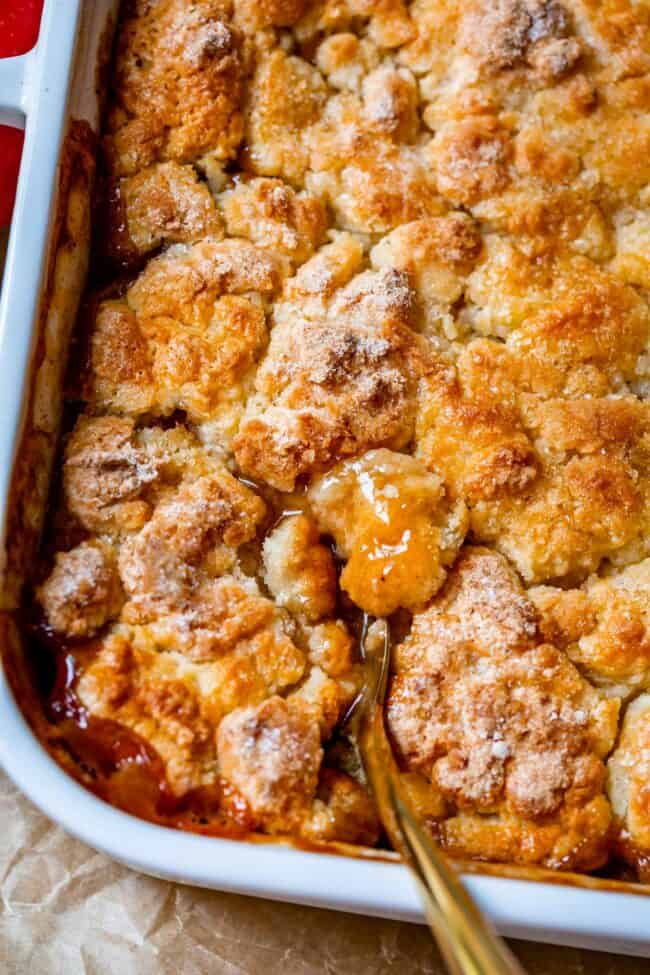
[[467, 941]]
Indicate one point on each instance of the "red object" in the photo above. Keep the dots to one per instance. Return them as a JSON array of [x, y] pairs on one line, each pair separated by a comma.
[[19, 22], [11, 144]]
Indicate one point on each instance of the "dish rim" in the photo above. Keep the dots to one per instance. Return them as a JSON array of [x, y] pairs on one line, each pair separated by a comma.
[[555, 913], [552, 912]]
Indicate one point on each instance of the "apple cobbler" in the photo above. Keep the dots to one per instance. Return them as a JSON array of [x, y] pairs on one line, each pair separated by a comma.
[[367, 335]]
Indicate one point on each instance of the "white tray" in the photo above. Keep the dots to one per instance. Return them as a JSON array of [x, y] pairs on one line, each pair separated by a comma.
[[37, 86]]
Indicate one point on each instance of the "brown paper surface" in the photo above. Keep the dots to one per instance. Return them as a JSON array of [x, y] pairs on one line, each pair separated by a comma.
[[66, 910]]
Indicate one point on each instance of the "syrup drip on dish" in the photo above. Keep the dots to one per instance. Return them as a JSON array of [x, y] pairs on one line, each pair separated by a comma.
[[113, 761]]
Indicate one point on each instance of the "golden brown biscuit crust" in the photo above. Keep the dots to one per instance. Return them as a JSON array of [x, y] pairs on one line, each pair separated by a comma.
[[603, 626], [178, 78], [628, 785], [170, 632], [387, 300], [500, 723]]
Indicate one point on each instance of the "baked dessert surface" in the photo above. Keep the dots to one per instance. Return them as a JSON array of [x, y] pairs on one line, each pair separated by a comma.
[[373, 340]]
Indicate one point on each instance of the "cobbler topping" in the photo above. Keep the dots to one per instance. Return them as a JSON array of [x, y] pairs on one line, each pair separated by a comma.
[[509, 33], [340, 376], [83, 591], [604, 626], [628, 772], [500, 722], [377, 342], [299, 570]]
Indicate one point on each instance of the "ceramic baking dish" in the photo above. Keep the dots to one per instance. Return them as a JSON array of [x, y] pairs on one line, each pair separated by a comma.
[[54, 89]]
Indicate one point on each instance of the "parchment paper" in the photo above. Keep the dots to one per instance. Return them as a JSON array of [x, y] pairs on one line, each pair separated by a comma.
[[66, 910]]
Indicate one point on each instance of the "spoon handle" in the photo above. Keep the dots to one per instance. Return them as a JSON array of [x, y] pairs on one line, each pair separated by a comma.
[[467, 941]]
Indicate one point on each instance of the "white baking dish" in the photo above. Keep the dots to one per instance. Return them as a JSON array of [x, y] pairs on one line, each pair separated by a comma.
[[37, 86]]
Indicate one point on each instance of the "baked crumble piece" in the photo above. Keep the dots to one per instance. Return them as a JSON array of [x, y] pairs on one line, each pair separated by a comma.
[[371, 336], [504, 727]]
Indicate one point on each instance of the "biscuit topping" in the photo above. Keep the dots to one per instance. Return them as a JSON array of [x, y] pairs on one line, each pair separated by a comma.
[[370, 334]]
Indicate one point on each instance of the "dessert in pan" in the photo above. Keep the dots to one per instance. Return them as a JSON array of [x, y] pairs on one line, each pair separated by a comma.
[[367, 336]]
